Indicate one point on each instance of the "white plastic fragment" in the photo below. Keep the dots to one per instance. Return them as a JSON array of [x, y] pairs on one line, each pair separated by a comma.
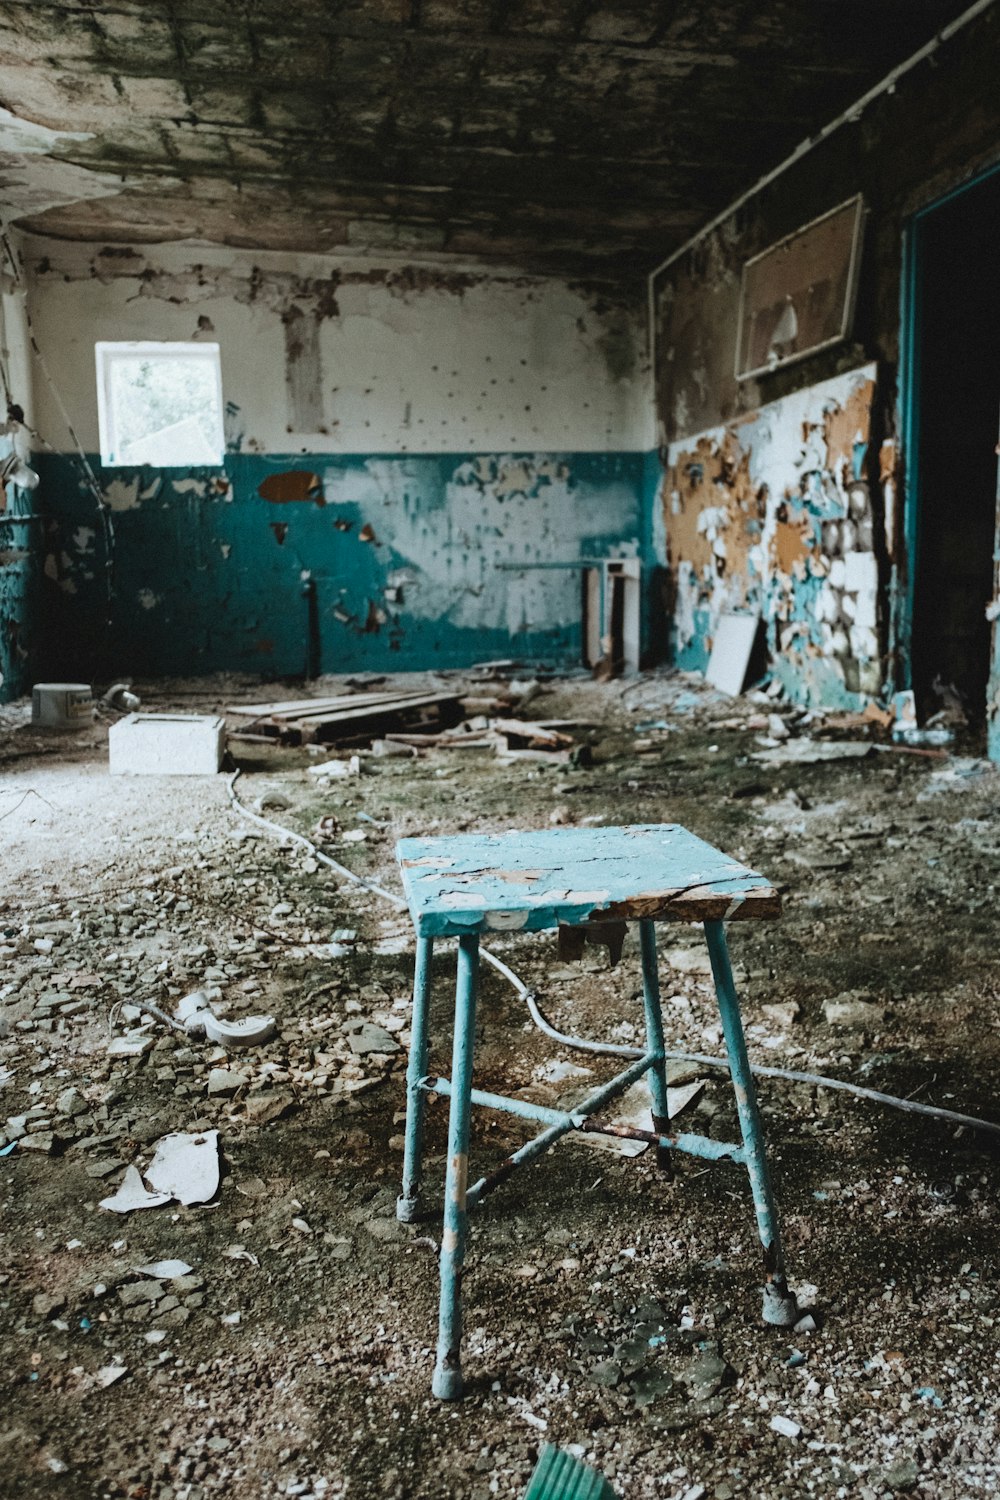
[[250, 1031], [186, 1167], [239, 1252], [164, 1270], [109, 1374], [785, 1426], [133, 1194], [191, 1012], [330, 768]]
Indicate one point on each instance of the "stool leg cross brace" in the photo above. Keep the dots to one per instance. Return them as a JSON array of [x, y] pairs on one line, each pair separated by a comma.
[[779, 1308]]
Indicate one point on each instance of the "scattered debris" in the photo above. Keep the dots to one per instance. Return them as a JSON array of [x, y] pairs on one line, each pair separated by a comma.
[[806, 752], [121, 699], [133, 1194], [347, 716], [854, 1010], [185, 1167], [164, 1270], [732, 648]]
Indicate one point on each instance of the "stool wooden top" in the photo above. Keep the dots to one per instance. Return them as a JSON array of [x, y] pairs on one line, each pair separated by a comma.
[[536, 880]]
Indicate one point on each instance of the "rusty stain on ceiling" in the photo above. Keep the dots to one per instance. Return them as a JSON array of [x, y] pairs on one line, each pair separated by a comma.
[[558, 136]]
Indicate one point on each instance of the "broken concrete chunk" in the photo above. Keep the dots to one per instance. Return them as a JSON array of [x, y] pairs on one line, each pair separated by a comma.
[[365, 1037], [903, 1475], [137, 1292], [44, 1304], [783, 1013], [852, 1011], [42, 1141], [132, 1044], [224, 1082], [264, 1107], [807, 752], [705, 1375], [70, 1102]]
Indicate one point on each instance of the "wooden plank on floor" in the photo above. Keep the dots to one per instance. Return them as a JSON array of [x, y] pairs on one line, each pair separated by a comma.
[[302, 707]]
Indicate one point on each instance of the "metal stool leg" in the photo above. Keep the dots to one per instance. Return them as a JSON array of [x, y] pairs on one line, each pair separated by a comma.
[[408, 1203], [657, 1075], [447, 1382], [780, 1307]]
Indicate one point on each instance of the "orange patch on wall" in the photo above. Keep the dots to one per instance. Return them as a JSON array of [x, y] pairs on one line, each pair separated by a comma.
[[292, 485], [712, 475], [845, 425], [790, 544]]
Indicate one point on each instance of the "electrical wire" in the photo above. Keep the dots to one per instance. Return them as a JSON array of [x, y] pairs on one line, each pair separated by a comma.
[[615, 1049]]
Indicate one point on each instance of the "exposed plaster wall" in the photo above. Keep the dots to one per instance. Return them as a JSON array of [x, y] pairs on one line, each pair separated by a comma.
[[321, 357], [409, 445], [774, 512]]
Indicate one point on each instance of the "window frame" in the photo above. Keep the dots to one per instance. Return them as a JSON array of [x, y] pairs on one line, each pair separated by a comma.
[[105, 352]]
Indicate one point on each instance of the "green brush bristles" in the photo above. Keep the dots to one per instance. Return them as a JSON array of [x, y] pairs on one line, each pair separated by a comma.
[[560, 1476]]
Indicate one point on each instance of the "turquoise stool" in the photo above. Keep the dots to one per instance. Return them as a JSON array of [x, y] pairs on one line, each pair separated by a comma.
[[572, 877]]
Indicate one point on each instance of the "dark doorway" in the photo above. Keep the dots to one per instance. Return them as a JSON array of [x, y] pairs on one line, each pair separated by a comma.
[[957, 348]]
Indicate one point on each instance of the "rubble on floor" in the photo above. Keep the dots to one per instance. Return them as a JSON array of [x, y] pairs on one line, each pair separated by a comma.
[[610, 1312]]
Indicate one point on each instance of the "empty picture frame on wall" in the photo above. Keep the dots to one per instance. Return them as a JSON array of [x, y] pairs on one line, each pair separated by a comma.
[[797, 296]]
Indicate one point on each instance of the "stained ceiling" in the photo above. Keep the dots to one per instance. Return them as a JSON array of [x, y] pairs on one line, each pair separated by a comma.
[[569, 136]]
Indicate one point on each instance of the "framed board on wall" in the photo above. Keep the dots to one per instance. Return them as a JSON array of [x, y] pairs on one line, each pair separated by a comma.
[[797, 296]]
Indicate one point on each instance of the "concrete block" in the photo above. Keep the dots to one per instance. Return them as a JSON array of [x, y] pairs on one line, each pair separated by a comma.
[[166, 745]]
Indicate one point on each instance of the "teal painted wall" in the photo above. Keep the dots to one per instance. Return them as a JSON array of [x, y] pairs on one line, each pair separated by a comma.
[[416, 562], [19, 594]]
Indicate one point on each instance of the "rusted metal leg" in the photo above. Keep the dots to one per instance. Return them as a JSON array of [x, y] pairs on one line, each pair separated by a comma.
[[447, 1383], [408, 1203], [780, 1307], [654, 1040]]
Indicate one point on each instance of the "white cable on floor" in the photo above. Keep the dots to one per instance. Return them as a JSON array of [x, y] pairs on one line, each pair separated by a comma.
[[615, 1049]]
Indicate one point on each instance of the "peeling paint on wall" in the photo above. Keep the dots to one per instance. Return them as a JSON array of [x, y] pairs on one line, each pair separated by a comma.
[[414, 561], [290, 486], [303, 370], [773, 512]]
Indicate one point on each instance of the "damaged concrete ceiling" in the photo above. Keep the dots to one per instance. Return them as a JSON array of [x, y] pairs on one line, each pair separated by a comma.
[[567, 136]]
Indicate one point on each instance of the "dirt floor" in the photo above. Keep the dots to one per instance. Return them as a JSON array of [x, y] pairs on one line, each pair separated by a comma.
[[607, 1309]]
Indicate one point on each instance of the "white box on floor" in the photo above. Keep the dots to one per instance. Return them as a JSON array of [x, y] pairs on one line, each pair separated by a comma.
[[166, 745]]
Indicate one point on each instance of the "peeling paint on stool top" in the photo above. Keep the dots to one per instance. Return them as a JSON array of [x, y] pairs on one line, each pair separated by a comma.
[[532, 881]]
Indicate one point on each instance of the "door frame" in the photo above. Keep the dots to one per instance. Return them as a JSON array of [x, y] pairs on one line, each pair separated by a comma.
[[903, 598]]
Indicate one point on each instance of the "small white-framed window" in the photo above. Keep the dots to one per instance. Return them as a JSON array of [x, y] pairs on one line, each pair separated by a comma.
[[159, 404]]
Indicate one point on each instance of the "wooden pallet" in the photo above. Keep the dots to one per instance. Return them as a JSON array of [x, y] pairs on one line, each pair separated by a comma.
[[352, 715]]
